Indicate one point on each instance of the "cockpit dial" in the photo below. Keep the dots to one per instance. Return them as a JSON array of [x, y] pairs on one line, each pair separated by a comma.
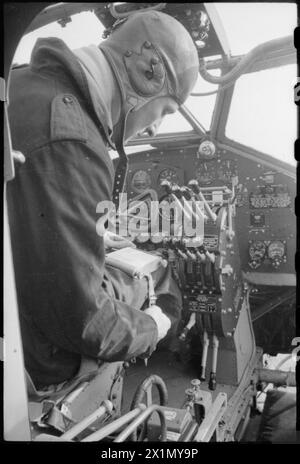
[[276, 250], [257, 250], [140, 181], [168, 174]]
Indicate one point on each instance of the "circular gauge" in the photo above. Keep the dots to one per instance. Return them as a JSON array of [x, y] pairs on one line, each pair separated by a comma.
[[276, 250], [206, 150], [257, 251], [140, 181], [168, 174], [205, 173]]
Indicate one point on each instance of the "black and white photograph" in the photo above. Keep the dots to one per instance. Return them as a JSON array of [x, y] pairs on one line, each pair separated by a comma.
[[150, 233]]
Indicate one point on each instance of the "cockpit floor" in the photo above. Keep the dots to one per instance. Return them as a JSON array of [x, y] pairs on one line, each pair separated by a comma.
[[176, 375]]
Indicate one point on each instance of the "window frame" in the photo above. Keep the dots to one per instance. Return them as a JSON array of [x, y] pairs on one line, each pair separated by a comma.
[[222, 109]]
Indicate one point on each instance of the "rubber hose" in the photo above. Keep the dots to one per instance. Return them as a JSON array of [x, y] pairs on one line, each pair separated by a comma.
[[246, 61], [141, 391]]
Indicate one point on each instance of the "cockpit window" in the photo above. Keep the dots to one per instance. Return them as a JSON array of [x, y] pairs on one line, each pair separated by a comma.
[[250, 24], [263, 115], [202, 105], [70, 34], [174, 123]]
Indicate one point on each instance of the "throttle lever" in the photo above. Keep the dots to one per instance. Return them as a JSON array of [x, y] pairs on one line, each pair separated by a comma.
[[196, 189]]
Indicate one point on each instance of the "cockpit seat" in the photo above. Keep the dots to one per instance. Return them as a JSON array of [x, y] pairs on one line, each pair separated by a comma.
[[278, 422], [62, 406]]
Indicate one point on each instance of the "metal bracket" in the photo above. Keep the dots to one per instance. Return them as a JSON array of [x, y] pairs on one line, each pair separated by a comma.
[[2, 89], [212, 419]]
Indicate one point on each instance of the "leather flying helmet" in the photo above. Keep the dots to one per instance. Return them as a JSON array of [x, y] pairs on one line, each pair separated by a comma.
[[152, 56]]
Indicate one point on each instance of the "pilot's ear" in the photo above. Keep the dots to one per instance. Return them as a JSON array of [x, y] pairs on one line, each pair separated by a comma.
[[145, 70]]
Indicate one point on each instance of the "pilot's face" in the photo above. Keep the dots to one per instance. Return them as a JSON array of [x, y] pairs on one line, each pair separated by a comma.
[[147, 119]]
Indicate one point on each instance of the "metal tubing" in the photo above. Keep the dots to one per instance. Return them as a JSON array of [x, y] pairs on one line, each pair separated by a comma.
[[208, 209], [277, 377], [139, 420], [192, 321], [106, 406], [74, 393], [186, 436], [116, 425], [183, 255], [215, 345], [196, 125], [230, 232], [198, 210], [212, 384], [189, 194], [181, 207], [211, 420], [187, 328], [200, 213], [188, 207], [210, 256], [191, 255], [201, 256], [204, 354]]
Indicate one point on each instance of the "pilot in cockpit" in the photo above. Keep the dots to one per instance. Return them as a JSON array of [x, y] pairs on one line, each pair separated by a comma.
[[67, 108]]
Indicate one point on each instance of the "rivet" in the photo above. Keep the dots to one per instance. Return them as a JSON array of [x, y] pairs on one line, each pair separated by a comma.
[[147, 44], [67, 100], [128, 53]]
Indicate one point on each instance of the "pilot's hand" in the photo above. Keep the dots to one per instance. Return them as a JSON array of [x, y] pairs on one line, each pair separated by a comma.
[[162, 321], [112, 240]]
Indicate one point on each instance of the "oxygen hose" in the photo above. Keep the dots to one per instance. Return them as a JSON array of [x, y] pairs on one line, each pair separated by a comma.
[[246, 61], [147, 383], [142, 391]]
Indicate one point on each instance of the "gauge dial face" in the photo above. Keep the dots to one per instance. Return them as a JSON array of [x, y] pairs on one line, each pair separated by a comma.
[[205, 173], [206, 150], [168, 174], [257, 250], [140, 181], [276, 249]]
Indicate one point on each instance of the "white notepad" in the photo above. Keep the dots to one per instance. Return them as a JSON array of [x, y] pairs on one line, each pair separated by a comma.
[[135, 263]]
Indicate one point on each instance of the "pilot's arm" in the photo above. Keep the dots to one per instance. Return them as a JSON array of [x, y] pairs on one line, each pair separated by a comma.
[[60, 258]]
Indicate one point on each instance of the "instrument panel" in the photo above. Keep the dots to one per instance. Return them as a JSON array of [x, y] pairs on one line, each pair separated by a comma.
[[264, 197], [141, 181], [150, 174]]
